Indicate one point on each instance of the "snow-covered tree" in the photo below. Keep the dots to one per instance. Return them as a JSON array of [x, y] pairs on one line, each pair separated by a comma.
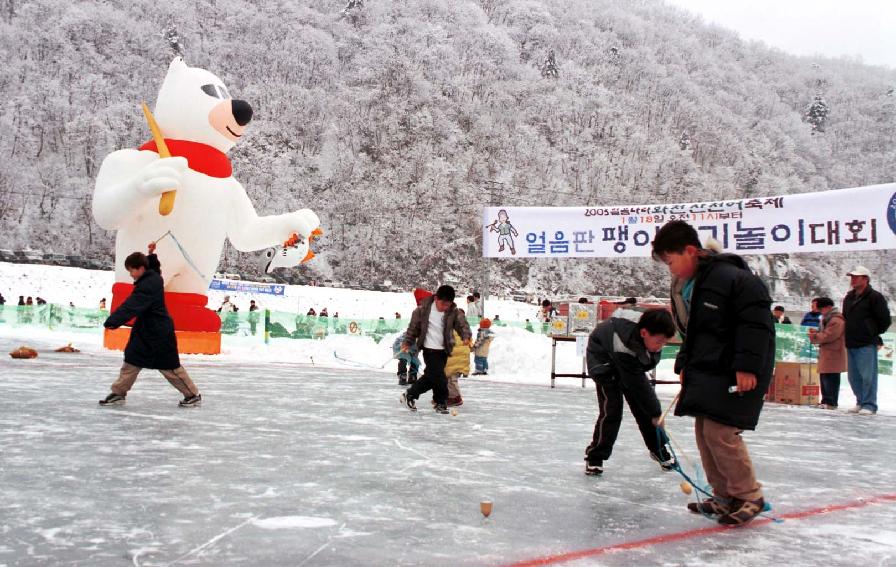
[[388, 127], [549, 68], [173, 38], [816, 113]]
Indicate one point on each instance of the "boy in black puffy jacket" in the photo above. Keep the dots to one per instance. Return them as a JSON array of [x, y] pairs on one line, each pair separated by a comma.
[[725, 363]]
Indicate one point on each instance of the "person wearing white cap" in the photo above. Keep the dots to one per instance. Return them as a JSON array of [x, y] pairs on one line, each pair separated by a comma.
[[867, 317]]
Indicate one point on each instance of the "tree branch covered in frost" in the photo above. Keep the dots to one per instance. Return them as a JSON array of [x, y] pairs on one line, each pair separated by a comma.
[[396, 120]]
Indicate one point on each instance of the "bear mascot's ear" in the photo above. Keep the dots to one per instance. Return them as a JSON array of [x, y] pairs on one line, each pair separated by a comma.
[[177, 65]]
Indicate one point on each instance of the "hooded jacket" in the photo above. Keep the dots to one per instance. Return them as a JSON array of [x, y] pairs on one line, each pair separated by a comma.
[[152, 343], [728, 329]]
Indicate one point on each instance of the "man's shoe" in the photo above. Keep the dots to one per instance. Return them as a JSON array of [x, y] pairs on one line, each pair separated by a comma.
[[454, 402], [866, 411], [742, 511], [408, 402], [112, 400], [855, 409], [190, 401], [594, 469], [713, 506], [441, 408], [826, 406]]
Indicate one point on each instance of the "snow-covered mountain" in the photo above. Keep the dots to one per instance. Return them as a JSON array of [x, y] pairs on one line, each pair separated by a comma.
[[399, 121]]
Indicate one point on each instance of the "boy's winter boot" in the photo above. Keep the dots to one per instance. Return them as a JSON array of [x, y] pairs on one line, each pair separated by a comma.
[[408, 402], [402, 379], [594, 469], [454, 402], [713, 506], [665, 459], [112, 400], [742, 511], [411, 378]]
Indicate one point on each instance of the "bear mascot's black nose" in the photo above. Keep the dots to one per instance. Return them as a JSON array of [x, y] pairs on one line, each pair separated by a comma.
[[242, 112]]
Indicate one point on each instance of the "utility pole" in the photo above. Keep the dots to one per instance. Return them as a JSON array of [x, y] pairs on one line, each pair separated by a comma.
[[493, 186]]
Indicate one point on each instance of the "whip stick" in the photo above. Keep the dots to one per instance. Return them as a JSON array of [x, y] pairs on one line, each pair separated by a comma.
[[166, 203], [671, 405]]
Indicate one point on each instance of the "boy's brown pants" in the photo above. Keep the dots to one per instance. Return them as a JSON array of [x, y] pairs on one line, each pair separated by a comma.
[[726, 460], [177, 378]]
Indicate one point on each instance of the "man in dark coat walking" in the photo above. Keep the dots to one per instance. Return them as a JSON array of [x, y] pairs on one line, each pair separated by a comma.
[[152, 343], [725, 363]]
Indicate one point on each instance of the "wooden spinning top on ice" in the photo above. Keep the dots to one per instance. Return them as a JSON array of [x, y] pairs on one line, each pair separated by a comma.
[[24, 352], [67, 348]]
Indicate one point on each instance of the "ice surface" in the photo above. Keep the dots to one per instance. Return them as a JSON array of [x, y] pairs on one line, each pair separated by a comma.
[[294, 464]]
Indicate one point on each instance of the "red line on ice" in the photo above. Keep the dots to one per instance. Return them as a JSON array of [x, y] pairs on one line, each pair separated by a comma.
[[677, 536]]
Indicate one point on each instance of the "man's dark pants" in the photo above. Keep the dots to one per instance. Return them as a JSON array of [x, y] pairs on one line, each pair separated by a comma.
[[433, 377], [830, 388]]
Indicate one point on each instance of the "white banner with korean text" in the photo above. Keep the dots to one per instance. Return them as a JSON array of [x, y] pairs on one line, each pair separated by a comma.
[[862, 218]]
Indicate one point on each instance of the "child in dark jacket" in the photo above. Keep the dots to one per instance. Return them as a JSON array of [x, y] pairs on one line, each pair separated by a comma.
[[620, 352], [725, 363], [152, 342]]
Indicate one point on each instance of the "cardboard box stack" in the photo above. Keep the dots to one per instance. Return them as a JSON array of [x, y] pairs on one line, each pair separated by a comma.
[[795, 383]]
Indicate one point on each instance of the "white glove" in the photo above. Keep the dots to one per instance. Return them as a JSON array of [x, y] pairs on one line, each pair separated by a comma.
[[162, 175]]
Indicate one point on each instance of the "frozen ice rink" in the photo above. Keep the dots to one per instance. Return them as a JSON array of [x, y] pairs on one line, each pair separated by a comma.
[[291, 464]]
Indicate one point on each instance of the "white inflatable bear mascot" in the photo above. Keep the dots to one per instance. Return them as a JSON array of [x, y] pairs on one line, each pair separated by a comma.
[[200, 122]]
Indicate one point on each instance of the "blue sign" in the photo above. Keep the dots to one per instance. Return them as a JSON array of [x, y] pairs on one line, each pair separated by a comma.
[[247, 287]]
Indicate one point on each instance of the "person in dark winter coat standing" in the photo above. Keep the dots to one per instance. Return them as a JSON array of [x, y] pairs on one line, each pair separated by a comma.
[[431, 329], [725, 363], [867, 318], [152, 343], [619, 354]]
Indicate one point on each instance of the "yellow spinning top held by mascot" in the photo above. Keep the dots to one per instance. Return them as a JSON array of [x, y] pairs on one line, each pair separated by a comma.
[[166, 203]]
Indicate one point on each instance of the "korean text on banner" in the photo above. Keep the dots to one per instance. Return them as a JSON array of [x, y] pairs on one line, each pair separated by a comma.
[[862, 218]]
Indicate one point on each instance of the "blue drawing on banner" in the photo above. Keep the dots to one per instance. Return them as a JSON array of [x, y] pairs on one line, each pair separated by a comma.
[[506, 232]]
